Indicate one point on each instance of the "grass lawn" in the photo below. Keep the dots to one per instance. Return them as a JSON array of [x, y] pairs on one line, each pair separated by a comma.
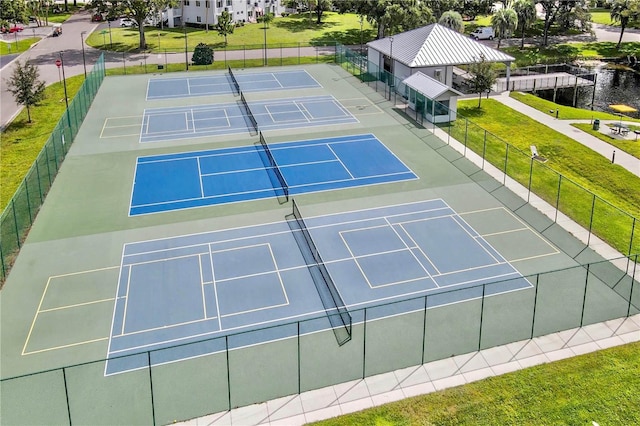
[[63, 16], [291, 30], [21, 141], [601, 16], [614, 184], [566, 112], [630, 146], [220, 64], [601, 386], [564, 52], [23, 45]]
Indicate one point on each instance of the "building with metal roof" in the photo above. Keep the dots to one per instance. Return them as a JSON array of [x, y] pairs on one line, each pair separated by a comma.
[[433, 50]]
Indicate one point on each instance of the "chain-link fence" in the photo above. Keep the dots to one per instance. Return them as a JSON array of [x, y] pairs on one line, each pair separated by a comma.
[[21, 211], [231, 372], [235, 56], [598, 216]]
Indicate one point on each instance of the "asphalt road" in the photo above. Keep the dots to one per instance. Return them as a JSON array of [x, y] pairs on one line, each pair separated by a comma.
[[45, 53]]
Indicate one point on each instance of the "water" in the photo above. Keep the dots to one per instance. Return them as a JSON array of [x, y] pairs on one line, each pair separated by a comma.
[[613, 86]]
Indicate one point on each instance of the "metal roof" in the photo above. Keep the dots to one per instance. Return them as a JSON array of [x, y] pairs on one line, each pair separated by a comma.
[[436, 45], [428, 86]]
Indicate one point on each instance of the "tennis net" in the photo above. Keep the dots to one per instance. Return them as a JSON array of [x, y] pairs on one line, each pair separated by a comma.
[[235, 81], [271, 165], [254, 123], [337, 312]]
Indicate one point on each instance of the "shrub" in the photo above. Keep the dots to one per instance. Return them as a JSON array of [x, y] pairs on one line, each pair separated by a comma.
[[202, 55]]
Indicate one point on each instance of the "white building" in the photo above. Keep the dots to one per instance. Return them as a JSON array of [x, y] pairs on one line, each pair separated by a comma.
[[201, 12], [429, 55]]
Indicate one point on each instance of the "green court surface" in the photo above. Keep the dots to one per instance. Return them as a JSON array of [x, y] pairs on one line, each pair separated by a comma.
[[58, 301]]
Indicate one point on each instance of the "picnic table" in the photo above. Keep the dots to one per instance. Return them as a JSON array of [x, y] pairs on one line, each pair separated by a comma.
[[619, 128]]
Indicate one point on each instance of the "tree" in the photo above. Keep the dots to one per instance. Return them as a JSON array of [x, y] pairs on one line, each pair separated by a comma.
[[452, 19], [320, 6], [266, 19], [137, 10], [483, 77], [504, 22], [159, 6], [624, 11], [551, 9], [13, 11], [25, 87], [225, 25], [439, 7], [526, 12], [393, 16]]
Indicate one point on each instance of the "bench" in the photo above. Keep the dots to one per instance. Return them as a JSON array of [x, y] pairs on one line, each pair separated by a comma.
[[536, 156]]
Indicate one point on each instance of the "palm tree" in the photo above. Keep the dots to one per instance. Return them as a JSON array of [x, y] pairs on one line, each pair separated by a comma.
[[623, 11], [453, 20], [504, 22], [526, 12]]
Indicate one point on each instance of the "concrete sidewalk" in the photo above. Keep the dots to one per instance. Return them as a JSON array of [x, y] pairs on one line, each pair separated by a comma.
[[623, 159]]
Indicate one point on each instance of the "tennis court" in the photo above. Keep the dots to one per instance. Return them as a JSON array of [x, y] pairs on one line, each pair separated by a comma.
[[189, 288], [174, 123], [195, 179], [182, 87]]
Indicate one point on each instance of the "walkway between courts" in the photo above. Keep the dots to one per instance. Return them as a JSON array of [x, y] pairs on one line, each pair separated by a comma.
[[623, 159]]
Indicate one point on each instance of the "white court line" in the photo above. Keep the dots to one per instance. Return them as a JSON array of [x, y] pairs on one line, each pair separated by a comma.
[[188, 87], [204, 299], [474, 268], [524, 224], [200, 177], [70, 345], [340, 160], [271, 234], [75, 305], [401, 224], [115, 307], [304, 109], [215, 288], [44, 292], [126, 299], [162, 327], [476, 237]]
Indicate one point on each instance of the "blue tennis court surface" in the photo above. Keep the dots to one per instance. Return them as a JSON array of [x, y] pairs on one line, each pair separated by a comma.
[[203, 178], [161, 124], [189, 288], [221, 84]]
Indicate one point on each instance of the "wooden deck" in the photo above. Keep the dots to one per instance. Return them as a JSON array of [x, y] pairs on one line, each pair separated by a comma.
[[530, 83]]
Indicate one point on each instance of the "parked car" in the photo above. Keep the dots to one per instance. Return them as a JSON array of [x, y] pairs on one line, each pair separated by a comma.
[[127, 22], [483, 33], [14, 29], [97, 18]]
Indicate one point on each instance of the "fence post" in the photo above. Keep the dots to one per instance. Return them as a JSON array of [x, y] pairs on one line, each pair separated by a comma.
[[484, 286], [424, 328], [633, 276], [66, 393], [558, 199], [153, 408], [584, 296], [530, 178], [364, 345], [484, 148], [226, 347], [15, 221], [26, 190], [535, 303], [299, 378], [506, 159], [593, 207], [633, 229]]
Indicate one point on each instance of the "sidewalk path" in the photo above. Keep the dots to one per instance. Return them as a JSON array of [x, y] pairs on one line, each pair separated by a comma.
[[623, 159]]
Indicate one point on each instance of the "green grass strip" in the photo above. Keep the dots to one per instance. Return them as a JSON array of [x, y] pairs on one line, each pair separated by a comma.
[[582, 168], [601, 386], [12, 47]]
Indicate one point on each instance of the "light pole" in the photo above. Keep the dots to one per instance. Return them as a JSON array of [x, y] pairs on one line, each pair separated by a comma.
[[361, 22], [84, 61], [110, 39], [264, 25], [64, 84], [186, 56], [391, 66]]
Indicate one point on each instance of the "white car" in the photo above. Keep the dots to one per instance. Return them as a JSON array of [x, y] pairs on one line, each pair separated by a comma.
[[127, 22], [483, 33]]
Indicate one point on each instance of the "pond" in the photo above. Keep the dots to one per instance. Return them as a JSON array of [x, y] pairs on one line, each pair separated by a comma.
[[613, 86]]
